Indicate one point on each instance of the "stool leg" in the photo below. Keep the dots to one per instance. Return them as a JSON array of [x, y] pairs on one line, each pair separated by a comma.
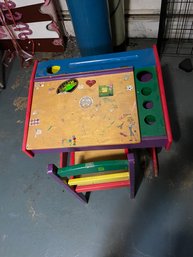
[[63, 159], [131, 161], [52, 171], [155, 161]]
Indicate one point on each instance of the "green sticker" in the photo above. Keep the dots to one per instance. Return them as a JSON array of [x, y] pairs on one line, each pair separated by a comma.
[[67, 86], [105, 90]]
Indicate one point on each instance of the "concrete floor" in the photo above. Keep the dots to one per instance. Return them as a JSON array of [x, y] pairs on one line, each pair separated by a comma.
[[38, 219]]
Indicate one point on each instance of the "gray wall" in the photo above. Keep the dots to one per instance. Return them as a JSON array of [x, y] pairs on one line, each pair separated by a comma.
[[142, 17]]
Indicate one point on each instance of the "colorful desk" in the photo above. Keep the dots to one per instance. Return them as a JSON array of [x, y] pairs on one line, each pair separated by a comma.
[[94, 111]]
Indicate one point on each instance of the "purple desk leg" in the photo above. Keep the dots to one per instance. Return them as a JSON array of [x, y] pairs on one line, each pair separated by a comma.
[[131, 161], [52, 171]]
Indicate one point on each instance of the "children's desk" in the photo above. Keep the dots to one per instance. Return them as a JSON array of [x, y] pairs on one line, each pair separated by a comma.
[[113, 103]]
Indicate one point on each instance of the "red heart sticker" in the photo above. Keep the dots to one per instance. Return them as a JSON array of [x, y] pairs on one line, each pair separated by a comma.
[[90, 83]]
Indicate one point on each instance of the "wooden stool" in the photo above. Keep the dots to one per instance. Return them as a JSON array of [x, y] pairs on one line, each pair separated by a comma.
[[88, 171]]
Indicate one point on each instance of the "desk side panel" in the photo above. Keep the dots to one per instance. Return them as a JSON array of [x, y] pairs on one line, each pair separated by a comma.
[[28, 111], [163, 99]]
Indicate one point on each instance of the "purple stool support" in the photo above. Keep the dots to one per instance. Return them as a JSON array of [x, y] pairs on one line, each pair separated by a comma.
[[52, 171]]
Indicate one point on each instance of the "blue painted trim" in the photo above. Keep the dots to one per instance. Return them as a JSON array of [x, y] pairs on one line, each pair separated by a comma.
[[134, 58], [83, 74]]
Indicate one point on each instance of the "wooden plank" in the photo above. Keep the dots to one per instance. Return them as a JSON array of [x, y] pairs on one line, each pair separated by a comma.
[[93, 167], [99, 155], [102, 186], [99, 179], [63, 122]]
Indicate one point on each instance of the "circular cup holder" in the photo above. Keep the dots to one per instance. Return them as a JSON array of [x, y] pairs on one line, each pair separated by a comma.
[[144, 76], [148, 104], [150, 119], [146, 91]]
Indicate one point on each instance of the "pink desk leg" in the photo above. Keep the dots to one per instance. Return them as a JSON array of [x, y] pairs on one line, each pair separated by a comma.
[[28, 111], [52, 171]]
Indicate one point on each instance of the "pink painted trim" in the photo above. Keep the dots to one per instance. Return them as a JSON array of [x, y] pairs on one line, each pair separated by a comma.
[[163, 99], [72, 158], [28, 111], [46, 2], [72, 161], [126, 151], [102, 186], [61, 160]]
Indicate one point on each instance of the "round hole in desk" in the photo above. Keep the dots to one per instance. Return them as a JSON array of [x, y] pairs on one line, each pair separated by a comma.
[[144, 76], [150, 119], [148, 104], [146, 91]]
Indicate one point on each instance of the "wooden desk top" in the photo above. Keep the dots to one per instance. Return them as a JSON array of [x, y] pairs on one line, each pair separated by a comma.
[[100, 111]]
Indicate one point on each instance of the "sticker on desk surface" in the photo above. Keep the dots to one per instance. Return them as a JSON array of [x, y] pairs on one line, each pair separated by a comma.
[[89, 165], [129, 87], [71, 141], [86, 101], [105, 90], [131, 127], [67, 86], [80, 86], [38, 132], [35, 112], [90, 82], [34, 122], [38, 85], [74, 140]]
